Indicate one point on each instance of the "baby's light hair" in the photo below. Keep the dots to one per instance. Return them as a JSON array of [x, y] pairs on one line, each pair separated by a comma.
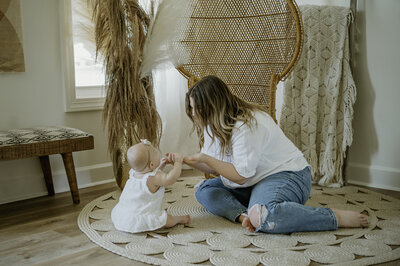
[[138, 156]]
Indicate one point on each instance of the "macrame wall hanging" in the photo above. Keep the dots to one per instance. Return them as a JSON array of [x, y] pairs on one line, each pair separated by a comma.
[[320, 93], [251, 45]]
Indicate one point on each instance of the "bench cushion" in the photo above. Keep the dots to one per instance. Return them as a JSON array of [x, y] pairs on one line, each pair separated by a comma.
[[40, 141], [38, 134]]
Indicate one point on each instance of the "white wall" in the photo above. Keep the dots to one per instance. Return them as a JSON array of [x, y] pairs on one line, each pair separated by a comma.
[[35, 98], [374, 157]]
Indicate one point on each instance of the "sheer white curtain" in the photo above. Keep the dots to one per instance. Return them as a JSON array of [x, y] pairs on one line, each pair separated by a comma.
[[170, 88]]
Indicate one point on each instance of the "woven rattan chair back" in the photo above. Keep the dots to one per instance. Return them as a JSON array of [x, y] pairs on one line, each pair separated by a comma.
[[251, 45]]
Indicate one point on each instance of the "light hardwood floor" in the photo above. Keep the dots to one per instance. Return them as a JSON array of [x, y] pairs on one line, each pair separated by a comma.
[[44, 231]]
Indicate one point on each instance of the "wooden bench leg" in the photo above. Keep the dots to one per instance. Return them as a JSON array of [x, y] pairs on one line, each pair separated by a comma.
[[70, 170], [46, 168]]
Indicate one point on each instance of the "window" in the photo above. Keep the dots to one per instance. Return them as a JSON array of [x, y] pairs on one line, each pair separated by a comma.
[[83, 75]]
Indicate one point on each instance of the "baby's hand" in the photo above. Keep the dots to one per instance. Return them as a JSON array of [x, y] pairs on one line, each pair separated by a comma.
[[174, 157], [164, 161], [168, 158]]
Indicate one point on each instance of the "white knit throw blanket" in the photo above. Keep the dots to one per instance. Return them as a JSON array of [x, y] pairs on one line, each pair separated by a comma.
[[319, 94]]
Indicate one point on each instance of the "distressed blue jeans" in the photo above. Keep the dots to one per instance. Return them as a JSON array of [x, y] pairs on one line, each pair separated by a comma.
[[282, 194]]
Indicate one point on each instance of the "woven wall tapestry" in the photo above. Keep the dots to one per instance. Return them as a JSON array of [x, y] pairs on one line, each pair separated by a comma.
[[11, 48], [320, 92]]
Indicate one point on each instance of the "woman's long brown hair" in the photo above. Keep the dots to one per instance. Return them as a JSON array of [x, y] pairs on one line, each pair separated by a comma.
[[217, 107]]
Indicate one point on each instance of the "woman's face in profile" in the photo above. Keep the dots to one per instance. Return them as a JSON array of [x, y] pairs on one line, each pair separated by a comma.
[[192, 106]]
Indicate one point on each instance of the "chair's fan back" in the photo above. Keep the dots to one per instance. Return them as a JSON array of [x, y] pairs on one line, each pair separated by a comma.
[[250, 45]]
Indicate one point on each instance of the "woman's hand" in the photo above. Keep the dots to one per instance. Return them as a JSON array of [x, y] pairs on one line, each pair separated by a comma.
[[194, 158], [198, 161], [211, 165]]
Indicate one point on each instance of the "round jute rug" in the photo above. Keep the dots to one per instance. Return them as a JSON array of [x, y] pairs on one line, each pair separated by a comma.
[[211, 240]]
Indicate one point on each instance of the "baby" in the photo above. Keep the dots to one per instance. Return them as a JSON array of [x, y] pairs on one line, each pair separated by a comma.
[[139, 207]]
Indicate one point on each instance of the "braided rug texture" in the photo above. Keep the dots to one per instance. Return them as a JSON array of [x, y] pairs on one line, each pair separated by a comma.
[[211, 240]]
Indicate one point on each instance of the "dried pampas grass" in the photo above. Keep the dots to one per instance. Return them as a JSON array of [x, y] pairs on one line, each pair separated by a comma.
[[120, 28], [171, 18], [132, 41]]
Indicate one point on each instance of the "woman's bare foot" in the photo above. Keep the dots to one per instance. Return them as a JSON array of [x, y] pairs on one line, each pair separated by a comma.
[[350, 218], [247, 224], [245, 221]]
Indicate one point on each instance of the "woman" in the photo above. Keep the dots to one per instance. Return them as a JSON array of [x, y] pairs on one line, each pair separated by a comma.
[[264, 179]]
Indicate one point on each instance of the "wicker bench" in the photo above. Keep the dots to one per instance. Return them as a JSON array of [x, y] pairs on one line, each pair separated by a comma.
[[42, 142]]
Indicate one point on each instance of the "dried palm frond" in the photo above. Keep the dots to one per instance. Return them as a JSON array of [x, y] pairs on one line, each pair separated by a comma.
[[129, 110], [82, 25]]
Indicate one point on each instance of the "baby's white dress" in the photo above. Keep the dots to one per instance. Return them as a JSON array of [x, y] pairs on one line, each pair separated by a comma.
[[138, 209]]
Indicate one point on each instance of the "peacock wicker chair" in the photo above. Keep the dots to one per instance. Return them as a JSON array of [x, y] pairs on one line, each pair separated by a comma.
[[251, 45]]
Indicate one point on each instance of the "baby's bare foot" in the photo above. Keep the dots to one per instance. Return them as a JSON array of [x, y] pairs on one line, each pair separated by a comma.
[[247, 224], [186, 219], [350, 218]]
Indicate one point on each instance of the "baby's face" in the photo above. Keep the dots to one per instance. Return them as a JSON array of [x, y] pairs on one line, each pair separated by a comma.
[[155, 156]]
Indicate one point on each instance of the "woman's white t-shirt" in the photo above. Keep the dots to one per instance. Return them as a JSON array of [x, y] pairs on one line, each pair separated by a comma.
[[257, 152]]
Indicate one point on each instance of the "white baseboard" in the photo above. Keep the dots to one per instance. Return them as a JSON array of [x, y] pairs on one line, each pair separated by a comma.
[[22, 197], [87, 176], [373, 176], [26, 187]]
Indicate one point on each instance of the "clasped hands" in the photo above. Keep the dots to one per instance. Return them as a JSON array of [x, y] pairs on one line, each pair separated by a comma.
[[171, 158]]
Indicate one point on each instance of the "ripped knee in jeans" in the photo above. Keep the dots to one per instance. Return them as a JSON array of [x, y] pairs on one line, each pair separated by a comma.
[[257, 215]]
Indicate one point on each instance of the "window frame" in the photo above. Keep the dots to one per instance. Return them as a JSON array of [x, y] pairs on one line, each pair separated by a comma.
[[72, 103]]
